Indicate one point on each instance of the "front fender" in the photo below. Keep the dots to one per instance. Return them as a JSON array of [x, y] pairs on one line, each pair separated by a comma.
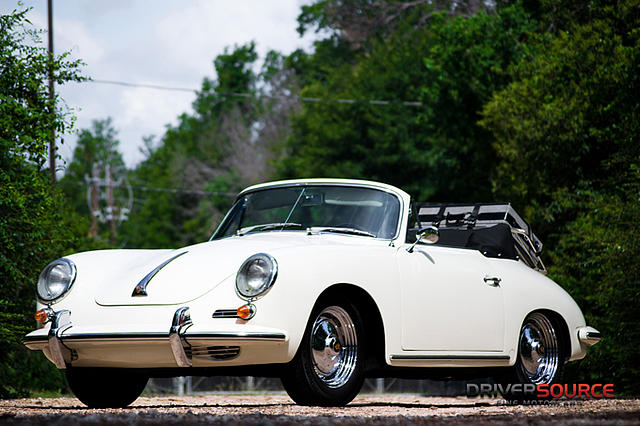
[[304, 274]]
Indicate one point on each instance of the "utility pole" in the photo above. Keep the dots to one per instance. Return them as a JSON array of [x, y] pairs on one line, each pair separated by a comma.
[[111, 217], [52, 142], [116, 210], [93, 231]]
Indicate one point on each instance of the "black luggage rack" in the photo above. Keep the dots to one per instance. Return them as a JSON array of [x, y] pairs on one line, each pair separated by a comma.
[[482, 216]]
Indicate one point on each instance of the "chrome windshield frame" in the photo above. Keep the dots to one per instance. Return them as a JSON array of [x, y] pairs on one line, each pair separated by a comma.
[[305, 185]]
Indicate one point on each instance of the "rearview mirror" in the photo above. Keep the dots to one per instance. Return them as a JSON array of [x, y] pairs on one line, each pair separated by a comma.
[[429, 235]]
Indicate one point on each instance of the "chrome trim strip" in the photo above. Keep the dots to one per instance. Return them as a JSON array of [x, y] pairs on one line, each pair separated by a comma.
[[117, 336], [448, 357], [141, 288], [225, 313], [237, 336], [142, 336], [34, 339], [161, 337], [307, 183], [217, 353]]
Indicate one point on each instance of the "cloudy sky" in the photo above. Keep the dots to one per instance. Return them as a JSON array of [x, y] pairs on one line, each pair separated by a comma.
[[160, 42]]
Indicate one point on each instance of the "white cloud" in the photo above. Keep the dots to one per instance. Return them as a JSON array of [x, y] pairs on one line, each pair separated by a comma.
[[75, 37], [161, 42]]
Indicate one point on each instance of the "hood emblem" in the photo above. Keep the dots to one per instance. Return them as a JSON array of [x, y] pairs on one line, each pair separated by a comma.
[[141, 288]]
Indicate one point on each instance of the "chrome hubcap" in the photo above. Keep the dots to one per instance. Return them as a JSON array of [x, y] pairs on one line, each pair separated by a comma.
[[539, 351], [334, 346]]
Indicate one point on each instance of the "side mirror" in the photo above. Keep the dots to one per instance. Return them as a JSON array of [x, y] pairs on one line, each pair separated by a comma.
[[429, 234]]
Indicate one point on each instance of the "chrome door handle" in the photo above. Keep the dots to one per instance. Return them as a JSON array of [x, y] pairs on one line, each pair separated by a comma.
[[492, 281]]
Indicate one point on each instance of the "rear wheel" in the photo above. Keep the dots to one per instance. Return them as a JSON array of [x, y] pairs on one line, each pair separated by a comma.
[[541, 355], [328, 370], [105, 388]]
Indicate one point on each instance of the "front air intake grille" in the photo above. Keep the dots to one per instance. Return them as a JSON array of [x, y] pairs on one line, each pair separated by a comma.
[[213, 352]]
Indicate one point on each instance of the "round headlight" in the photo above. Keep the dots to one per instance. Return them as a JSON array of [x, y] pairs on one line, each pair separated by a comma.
[[256, 275], [56, 279]]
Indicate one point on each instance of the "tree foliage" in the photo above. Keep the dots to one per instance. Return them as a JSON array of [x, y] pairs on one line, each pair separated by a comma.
[[452, 66], [358, 22], [225, 144], [28, 115], [575, 95], [566, 138], [35, 224]]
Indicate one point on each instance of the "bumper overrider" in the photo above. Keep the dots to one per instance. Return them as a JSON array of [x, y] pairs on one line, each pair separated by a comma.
[[589, 335], [182, 346]]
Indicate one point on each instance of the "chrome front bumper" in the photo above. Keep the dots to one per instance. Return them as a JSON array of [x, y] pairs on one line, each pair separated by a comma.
[[58, 344]]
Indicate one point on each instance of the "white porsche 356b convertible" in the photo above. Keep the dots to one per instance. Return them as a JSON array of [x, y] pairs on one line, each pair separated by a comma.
[[321, 282]]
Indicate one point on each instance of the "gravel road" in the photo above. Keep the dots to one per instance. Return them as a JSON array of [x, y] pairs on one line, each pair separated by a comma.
[[278, 409]]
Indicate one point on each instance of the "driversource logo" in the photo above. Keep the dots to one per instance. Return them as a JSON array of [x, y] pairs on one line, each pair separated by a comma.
[[546, 391]]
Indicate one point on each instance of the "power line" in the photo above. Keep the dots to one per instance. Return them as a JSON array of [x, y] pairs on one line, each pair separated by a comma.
[[171, 190], [147, 86], [252, 95]]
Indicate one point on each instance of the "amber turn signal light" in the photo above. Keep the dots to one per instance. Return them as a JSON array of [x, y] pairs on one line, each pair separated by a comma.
[[246, 311], [41, 316]]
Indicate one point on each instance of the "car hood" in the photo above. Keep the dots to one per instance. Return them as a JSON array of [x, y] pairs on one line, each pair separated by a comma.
[[194, 270]]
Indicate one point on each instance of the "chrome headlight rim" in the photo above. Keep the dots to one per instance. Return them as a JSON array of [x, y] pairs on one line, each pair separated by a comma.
[[268, 283], [44, 275]]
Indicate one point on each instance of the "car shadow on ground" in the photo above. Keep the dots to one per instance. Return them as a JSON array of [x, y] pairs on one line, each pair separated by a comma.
[[271, 405]]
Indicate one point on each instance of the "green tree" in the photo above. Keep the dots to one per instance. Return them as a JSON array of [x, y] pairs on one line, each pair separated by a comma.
[[217, 148], [596, 259], [571, 108], [35, 225], [359, 22], [452, 66], [568, 153]]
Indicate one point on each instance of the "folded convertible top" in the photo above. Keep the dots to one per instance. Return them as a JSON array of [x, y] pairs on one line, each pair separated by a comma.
[[495, 229]]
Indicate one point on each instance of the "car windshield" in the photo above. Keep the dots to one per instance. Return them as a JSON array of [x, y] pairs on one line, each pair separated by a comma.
[[340, 209]]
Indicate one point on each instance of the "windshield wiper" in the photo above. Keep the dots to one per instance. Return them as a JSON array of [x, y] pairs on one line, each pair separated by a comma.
[[338, 230], [267, 226]]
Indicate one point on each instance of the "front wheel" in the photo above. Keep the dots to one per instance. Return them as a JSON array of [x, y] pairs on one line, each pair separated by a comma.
[[105, 388], [328, 370]]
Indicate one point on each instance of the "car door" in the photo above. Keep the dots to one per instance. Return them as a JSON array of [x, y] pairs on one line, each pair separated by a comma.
[[450, 300]]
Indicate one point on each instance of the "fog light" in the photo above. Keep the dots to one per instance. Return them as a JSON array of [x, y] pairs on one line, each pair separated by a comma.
[[246, 312]]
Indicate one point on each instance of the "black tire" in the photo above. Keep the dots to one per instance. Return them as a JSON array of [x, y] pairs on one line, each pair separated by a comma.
[[105, 388], [541, 356], [314, 377]]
